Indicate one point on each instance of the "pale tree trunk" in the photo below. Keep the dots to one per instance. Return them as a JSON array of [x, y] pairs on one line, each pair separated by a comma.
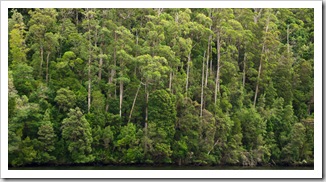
[[212, 147], [146, 109], [257, 14], [258, 77], [100, 69], [112, 74], [89, 84], [41, 64], [89, 67], [100, 65], [210, 48], [121, 88], [244, 71], [202, 87], [107, 105], [159, 11], [134, 102], [207, 61], [121, 98], [47, 68], [211, 61], [114, 62], [217, 80], [188, 69], [108, 95], [170, 82], [260, 63]]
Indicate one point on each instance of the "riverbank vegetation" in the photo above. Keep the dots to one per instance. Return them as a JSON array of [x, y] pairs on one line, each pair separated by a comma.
[[161, 86]]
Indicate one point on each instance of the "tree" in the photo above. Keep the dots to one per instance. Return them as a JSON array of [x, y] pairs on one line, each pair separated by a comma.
[[50, 45], [91, 25], [152, 69], [129, 144], [23, 78], [18, 49], [42, 21], [162, 115], [76, 132], [294, 149], [46, 140], [65, 98], [26, 153], [221, 30], [200, 86], [124, 46], [270, 42]]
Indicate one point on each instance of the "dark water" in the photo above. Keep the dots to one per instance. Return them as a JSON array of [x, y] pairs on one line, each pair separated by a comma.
[[161, 168]]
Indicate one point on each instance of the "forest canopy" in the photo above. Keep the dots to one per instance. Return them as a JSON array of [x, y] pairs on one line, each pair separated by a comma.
[[161, 86]]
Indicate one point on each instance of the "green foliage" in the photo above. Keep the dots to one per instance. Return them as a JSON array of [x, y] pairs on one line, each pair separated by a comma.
[[128, 144], [139, 76], [24, 154], [23, 79], [46, 140], [162, 115], [77, 134], [65, 98], [293, 151]]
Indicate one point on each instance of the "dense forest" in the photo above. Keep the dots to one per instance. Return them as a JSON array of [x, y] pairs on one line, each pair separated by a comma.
[[161, 86]]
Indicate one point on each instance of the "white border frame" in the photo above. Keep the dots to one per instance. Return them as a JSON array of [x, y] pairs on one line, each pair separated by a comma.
[[316, 173]]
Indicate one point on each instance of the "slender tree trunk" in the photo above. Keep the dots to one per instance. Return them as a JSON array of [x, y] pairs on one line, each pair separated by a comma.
[[121, 98], [112, 74], [146, 109], [137, 41], [47, 68], [134, 102], [89, 66], [244, 71], [100, 64], [202, 87], [170, 82], [107, 104], [188, 69], [121, 87], [258, 77], [111, 80], [209, 49], [207, 61], [41, 64], [217, 80], [257, 14], [260, 64], [100, 69], [146, 117], [89, 84], [108, 95], [211, 61], [212, 147]]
